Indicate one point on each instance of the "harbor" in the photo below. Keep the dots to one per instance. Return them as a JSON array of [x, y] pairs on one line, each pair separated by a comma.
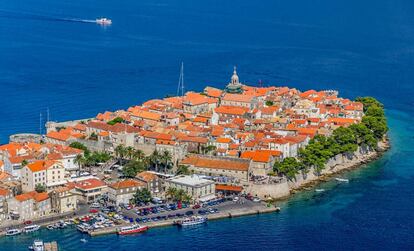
[[244, 211]]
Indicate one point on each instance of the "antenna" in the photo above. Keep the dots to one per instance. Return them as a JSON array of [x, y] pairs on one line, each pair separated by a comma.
[[181, 81]]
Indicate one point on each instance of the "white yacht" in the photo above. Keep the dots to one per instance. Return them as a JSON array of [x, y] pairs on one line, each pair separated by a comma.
[[13, 231], [31, 228], [194, 220]]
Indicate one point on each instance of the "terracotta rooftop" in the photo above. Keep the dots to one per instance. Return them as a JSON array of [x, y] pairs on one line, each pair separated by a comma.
[[217, 163], [128, 183]]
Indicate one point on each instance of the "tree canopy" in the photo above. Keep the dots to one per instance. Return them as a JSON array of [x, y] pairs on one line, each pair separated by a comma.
[[115, 121], [344, 140], [141, 196]]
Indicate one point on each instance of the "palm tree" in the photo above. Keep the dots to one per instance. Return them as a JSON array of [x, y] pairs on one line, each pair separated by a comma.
[[183, 170], [155, 159], [139, 154], [166, 160], [80, 160], [120, 152], [130, 152], [171, 192]]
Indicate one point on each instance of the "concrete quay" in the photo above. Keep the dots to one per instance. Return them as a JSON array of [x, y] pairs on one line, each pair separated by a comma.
[[259, 209]]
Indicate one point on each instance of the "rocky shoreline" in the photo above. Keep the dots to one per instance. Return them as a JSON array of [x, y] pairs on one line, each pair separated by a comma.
[[354, 163]]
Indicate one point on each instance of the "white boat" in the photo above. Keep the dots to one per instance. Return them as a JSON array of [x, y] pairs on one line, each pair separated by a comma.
[[103, 21], [341, 180], [50, 227], [31, 228], [319, 190], [38, 245], [83, 228], [13, 231], [190, 221], [83, 240]]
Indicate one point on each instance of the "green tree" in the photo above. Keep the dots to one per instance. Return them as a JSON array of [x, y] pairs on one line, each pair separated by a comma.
[[288, 166], [378, 126], [80, 146], [80, 160], [269, 103], [141, 196], [40, 188], [155, 160], [132, 168], [139, 155], [115, 121], [346, 139], [368, 102], [166, 160], [171, 192], [120, 153], [365, 137], [24, 163], [183, 170]]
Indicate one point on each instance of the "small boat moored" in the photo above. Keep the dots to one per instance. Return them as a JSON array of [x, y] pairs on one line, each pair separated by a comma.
[[190, 221], [341, 180], [132, 229], [13, 231], [31, 228], [319, 190]]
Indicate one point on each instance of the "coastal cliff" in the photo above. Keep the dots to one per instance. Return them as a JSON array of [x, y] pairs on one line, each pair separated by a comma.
[[335, 165]]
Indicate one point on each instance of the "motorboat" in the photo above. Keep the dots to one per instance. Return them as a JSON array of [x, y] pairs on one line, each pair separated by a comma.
[[103, 21], [13, 231], [189, 221], [31, 228], [37, 245], [319, 190], [50, 227], [341, 180], [133, 229]]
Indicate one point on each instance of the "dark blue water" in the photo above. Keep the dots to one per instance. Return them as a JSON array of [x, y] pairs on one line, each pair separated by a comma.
[[78, 69]]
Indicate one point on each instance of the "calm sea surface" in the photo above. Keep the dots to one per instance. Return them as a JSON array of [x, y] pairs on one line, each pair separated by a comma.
[[52, 58]]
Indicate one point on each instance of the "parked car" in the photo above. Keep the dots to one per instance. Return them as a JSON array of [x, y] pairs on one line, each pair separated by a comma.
[[95, 205], [188, 213], [236, 199], [196, 206], [256, 199], [28, 222]]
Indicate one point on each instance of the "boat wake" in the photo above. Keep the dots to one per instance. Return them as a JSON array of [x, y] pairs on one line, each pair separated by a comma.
[[30, 16]]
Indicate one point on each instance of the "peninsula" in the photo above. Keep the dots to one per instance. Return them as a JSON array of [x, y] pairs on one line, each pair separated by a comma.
[[191, 150]]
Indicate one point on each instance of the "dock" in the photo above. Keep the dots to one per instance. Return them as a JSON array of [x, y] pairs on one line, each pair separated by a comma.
[[217, 216]]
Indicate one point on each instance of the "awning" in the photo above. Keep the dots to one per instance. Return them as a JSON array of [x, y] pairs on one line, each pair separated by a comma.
[[229, 188], [207, 198]]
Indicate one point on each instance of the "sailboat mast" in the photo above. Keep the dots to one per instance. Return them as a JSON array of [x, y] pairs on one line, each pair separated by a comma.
[[182, 78], [40, 123], [180, 86]]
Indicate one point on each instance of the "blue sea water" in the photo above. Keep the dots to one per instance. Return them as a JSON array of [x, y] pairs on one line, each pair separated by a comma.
[[77, 69]]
